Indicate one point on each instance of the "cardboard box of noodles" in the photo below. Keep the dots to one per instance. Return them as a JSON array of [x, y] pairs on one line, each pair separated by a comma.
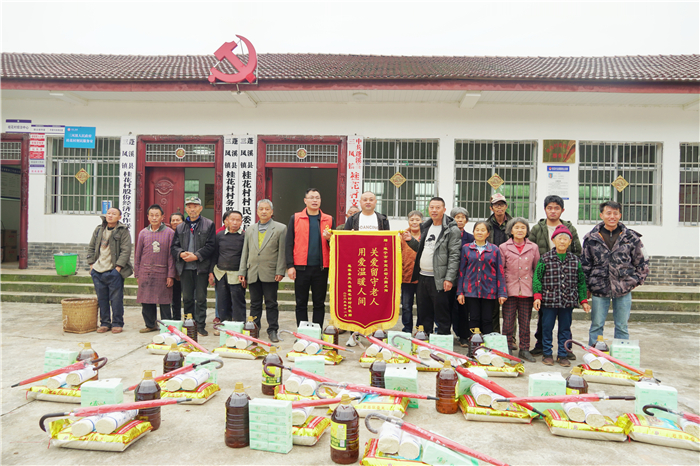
[[101, 392], [546, 384], [315, 364], [627, 351], [649, 393], [443, 341], [404, 378], [496, 341], [400, 343], [193, 358], [233, 326], [175, 323], [309, 328]]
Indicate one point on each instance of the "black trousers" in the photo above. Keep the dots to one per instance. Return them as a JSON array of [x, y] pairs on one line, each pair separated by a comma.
[[316, 280], [496, 316], [149, 313], [194, 285], [480, 313], [267, 290], [434, 306], [231, 298], [177, 300]]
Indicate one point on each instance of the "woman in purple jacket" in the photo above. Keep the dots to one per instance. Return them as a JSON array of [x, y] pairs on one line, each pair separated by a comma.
[[520, 257], [481, 279]]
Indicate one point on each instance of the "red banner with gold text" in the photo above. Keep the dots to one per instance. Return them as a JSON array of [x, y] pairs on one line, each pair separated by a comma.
[[365, 279]]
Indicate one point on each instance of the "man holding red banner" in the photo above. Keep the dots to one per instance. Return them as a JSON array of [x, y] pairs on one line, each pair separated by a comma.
[[436, 267]]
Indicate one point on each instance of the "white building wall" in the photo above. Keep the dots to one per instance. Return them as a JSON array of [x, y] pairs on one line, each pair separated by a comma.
[[446, 122]]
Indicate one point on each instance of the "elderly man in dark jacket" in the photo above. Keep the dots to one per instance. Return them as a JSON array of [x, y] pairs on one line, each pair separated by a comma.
[[109, 257], [436, 267], [615, 262], [193, 247]]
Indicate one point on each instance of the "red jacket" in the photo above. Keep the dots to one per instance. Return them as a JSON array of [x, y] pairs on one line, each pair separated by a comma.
[[298, 239]]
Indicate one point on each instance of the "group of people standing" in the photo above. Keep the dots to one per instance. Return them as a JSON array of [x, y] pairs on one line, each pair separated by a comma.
[[460, 280]]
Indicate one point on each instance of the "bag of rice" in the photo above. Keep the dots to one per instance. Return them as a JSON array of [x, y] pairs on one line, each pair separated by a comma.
[[65, 394], [282, 394], [657, 431], [331, 356], [373, 457], [199, 396], [514, 413], [389, 405], [127, 435], [560, 424], [310, 431], [619, 377], [251, 352], [183, 347], [507, 370]]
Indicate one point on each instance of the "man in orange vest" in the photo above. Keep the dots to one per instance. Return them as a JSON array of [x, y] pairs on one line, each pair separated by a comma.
[[308, 256]]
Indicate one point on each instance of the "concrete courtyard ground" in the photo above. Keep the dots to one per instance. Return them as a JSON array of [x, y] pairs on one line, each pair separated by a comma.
[[194, 435]]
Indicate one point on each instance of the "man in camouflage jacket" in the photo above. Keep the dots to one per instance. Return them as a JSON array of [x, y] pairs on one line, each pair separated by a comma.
[[615, 262]]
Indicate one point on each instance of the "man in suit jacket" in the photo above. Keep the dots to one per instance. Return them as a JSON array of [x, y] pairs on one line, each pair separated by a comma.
[[263, 265]]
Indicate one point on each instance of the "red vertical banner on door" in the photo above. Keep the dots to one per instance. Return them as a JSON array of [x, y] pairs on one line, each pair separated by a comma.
[[365, 279]]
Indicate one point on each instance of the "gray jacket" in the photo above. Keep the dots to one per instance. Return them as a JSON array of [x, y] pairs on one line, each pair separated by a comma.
[[264, 262], [446, 254], [119, 247]]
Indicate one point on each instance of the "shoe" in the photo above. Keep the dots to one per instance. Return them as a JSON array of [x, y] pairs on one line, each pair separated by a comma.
[[464, 343], [272, 335], [148, 329], [563, 362], [513, 351], [570, 356], [103, 329], [217, 320], [526, 355], [216, 333], [351, 342], [548, 360], [202, 332], [117, 330], [536, 351]]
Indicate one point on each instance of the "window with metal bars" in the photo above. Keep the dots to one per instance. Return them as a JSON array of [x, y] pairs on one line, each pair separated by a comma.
[[639, 164], [689, 196], [66, 194], [415, 159], [477, 161], [312, 153], [156, 152], [11, 150]]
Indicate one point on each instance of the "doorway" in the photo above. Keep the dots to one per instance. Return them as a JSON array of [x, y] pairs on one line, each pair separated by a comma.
[[290, 184], [14, 159]]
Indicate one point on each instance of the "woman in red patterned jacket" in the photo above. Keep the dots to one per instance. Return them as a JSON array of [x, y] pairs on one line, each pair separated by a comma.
[[481, 279]]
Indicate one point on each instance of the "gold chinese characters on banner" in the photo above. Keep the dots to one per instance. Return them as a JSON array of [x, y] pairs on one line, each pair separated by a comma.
[[495, 181], [82, 176]]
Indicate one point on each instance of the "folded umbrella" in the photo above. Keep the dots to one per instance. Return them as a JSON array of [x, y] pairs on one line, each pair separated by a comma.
[[592, 350], [301, 336], [181, 370], [685, 415], [375, 390], [189, 340], [425, 344], [76, 366], [242, 335], [589, 397], [393, 349]]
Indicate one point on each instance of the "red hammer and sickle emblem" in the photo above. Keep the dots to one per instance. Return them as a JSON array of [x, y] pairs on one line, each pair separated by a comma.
[[245, 72]]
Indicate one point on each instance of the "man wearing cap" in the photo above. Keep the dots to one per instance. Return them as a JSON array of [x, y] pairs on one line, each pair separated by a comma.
[[615, 262], [193, 247], [498, 221]]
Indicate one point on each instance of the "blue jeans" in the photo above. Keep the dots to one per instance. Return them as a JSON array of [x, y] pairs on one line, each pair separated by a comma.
[[549, 317], [599, 312], [408, 292], [109, 288]]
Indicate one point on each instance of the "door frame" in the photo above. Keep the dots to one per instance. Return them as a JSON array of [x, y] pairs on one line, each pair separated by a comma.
[[23, 138], [141, 165], [264, 175]]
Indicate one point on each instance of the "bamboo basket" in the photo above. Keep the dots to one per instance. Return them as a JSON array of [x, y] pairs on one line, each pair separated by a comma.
[[79, 315]]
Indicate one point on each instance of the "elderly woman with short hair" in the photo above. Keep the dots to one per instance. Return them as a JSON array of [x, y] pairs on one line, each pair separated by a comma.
[[520, 257]]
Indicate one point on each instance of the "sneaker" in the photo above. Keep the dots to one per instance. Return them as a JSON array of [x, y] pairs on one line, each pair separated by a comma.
[[148, 329], [536, 351], [217, 320], [464, 343], [116, 330], [570, 356], [202, 332], [351, 342], [103, 329], [526, 355], [548, 360], [272, 335], [563, 362]]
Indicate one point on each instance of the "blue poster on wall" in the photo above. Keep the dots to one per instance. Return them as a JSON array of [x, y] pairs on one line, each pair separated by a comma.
[[79, 137]]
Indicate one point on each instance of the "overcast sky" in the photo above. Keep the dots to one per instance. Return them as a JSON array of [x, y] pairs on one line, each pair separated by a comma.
[[379, 28]]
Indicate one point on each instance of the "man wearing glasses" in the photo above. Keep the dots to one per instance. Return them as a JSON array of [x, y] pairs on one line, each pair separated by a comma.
[[308, 256]]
